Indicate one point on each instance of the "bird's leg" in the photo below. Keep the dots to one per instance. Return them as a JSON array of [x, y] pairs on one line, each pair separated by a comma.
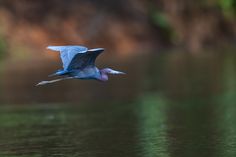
[[52, 81]]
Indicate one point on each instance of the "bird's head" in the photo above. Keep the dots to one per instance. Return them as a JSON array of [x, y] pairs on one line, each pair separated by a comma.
[[106, 71]]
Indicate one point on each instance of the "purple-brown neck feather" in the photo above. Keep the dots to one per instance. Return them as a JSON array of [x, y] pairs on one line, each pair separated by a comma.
[[104, 76], [104, 73]]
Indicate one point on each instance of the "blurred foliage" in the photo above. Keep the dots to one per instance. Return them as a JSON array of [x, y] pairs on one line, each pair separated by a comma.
[[124, 26], [3, 47], [228, 7], [160, 20]]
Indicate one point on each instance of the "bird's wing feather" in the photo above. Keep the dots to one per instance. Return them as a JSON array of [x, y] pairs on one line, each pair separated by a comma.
[[81, 61], [67, 53]]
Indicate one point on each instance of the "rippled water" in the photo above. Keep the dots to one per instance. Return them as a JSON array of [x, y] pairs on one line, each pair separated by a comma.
[[174, 105], [151, 127], [69, 131]]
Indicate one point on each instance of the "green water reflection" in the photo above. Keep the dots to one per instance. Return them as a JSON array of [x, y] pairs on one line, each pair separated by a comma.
[[180, 105]]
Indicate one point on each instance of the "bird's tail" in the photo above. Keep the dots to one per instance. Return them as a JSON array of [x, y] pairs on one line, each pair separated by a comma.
[[51, 75], [59, 73]]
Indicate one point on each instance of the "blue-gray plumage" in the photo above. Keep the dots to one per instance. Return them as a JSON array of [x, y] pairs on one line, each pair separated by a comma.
[[79, 63]]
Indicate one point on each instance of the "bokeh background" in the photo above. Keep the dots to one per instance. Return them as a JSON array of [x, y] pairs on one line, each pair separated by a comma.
[[136, 35], [177, 99]]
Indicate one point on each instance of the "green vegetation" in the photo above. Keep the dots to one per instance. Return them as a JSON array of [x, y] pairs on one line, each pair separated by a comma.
[[159, 20], [228, 7]]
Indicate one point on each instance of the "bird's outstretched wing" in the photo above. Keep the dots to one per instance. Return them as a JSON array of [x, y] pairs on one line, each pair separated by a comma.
[[82, 60], [67, 53]]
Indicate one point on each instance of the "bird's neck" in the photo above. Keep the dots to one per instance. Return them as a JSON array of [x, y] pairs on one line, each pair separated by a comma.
[[103, 76]]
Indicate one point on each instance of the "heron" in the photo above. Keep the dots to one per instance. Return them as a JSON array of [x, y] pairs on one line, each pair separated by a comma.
[[79, 63]]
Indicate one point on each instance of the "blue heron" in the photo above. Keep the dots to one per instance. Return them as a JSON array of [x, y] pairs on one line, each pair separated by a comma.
[[79, 63]]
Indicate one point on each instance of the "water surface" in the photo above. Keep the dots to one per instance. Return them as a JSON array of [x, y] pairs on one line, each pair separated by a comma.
[[174, 105]]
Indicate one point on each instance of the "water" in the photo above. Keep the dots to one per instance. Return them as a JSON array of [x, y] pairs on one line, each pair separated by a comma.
[[152, 127], [68, 131], [175, 105]]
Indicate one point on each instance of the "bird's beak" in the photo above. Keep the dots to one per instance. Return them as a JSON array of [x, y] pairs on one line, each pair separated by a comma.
[[120, 72], [114, 72]]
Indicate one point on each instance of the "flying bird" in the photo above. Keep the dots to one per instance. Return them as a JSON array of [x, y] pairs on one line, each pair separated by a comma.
[[79, 63]]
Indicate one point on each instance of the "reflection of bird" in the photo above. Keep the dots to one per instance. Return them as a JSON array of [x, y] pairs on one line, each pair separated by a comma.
[[79, 63]]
